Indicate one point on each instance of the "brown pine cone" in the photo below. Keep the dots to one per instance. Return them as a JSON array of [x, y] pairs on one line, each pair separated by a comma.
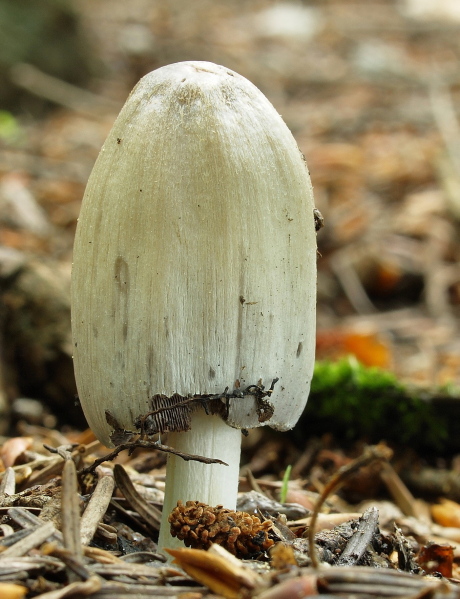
[[199, 525]]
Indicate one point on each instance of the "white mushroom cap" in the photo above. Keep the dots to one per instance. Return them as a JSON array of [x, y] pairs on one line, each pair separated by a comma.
[[195, 255]]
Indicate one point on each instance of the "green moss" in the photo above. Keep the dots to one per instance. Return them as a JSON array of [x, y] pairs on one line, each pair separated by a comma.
[[356, 402]]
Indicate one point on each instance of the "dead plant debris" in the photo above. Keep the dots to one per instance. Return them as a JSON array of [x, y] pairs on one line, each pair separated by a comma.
[[95, 535]]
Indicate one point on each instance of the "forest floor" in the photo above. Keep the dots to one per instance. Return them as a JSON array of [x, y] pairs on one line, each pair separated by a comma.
[[370, 91]]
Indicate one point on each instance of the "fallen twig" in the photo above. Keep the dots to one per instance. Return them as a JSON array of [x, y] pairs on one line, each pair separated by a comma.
[[147, 512], [370, 454], [51, 88], [359, 542], [70, 510], [140, 443], [97, 506], [37, 536]]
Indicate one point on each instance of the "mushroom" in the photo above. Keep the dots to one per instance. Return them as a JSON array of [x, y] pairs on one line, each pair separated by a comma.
[[194, 275]]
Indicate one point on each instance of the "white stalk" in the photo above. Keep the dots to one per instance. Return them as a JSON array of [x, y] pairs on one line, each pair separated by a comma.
[[212, 484]]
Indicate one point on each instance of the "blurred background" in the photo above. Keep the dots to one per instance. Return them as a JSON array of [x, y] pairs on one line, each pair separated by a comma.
[[370, 90]]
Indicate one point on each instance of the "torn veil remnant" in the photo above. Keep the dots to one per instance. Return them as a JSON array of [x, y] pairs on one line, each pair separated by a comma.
[[174, 413], [195, 268]]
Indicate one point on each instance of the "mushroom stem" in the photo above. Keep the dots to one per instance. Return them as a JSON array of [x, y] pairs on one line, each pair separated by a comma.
[[212, 484]]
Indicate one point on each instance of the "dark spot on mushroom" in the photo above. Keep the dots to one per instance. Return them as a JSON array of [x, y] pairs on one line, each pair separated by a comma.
[[122, 274], [211, 373], [242, 300], [118, 140], [299, 349]]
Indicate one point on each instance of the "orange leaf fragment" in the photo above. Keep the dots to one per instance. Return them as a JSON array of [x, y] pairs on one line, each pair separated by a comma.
[[437, 558], [222, 573], [369, 348], [13, 448], [9, 590], [447, 513]]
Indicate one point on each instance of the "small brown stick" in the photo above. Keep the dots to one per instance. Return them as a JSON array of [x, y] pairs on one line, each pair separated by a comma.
[[83, 450], [130, 517], [369, 455], [97, 506], [351, 284], [73, 563], [101, 556], [29, 466], [14, 537], [34, 539], [65, 94], [25, 519], [367, 581], [445, 117], [8, 483], [400, 493], [71, 515], [131, 445], [253, 482], [86, 588], [53, 467], [65, 451], [147, 512]]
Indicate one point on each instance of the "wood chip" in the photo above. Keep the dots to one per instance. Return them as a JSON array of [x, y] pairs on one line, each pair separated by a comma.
[[75, 568], [8, 484], [357, 545], [97, 506], [126, 569], [141, 591], [34, 539], [150, 514], [400, 493], [75, 589], [53, 467], [6, 530], [25, 519], [70, 510], [101, 555], [14, 537], [218, 570], [372, 581]]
